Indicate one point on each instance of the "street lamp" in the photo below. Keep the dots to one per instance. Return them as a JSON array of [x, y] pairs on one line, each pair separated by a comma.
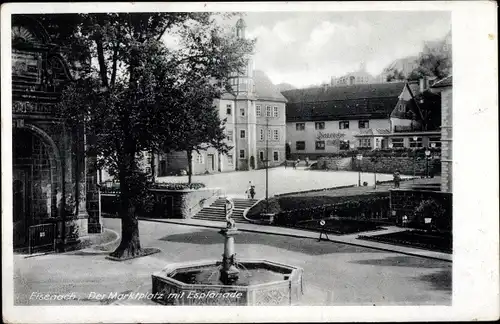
[[359, 157], [415, 138], [427, 155], [267, 163]]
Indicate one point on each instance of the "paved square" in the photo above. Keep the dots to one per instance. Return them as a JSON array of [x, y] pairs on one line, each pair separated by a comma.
[[281, 180], [334, 274]]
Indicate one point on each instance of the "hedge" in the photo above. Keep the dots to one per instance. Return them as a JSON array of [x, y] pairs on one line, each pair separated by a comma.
[[364, 208]]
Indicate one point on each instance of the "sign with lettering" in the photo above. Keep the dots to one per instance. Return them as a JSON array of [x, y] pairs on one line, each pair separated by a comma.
[[334, 136]]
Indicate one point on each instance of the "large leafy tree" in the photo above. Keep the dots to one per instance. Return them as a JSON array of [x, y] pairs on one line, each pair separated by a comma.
[[135, 96], [432, 62]]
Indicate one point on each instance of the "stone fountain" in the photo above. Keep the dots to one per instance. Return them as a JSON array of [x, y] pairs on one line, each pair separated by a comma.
[[230, 282]]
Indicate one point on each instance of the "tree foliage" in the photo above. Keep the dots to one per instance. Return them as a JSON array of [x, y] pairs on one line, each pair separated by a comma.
[[433, 61], [140, 95]]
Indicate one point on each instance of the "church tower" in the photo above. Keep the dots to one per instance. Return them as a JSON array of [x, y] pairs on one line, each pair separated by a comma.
[[244, 102]]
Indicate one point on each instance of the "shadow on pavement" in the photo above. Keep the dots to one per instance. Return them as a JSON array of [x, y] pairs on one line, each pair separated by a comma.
[[303, 245], [439, 280], [406, 261]]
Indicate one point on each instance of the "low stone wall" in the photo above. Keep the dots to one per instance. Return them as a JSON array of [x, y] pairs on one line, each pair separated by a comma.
[[168, 203], [405, 201], [405, 165]]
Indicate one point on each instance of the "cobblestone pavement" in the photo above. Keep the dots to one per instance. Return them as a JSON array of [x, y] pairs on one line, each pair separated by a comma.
[[334, 273]]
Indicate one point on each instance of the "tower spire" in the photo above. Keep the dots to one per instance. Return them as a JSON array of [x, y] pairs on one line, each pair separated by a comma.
[[240, 28]]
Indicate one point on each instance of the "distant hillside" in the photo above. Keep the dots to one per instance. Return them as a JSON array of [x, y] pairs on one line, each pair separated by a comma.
[[285, 86]]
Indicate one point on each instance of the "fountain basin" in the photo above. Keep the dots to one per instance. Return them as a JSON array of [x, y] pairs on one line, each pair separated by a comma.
[[261, 283]]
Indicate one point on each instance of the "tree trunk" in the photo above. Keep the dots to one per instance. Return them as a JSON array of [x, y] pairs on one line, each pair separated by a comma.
[[190, 167], [130, 245]]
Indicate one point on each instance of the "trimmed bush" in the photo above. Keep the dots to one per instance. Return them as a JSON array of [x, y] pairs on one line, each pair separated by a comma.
[[178, 186]]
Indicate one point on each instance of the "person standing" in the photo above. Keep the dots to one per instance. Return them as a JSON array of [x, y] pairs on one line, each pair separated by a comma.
[[397, 179], [247, 192], [252, 191]]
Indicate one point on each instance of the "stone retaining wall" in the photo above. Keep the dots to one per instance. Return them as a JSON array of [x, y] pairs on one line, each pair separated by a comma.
[[405, 165], [168, 203]]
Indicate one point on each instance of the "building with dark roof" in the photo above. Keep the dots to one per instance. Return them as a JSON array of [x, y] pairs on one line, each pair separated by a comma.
[[328, 119], [255, 126]]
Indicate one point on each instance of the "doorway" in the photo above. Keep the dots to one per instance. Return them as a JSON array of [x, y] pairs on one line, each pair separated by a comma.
[[211, 163], [21, 207]]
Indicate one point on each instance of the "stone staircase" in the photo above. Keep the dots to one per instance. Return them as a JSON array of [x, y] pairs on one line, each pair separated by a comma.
[[215, 212]]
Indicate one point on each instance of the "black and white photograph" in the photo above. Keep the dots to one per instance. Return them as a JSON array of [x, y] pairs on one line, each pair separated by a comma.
[[223, 155]]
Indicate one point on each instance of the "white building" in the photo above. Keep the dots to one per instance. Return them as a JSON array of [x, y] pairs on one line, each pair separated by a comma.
[[255, 126], [322, 121]]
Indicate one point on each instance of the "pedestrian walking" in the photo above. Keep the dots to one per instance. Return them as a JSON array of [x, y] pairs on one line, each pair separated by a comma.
[[252, 191], [397, 179], [249, 189]]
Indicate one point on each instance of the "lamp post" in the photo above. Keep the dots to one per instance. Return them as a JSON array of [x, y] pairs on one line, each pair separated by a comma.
[[267, 163], [290, 152], [415, 138], [359, 157], [433, 146], [427, 155]]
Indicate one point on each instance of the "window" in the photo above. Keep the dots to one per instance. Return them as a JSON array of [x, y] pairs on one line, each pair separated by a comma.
[[320, 145], [300, 145], [363, 124], [344, 125], [258, 110], [397, 142], [230, 159], [242, 133], [268, 111], [242, 112], [269, 134], [319, 125], [344, 145], [417, 143], [365, 142], [300, 126], [199, 158], [229, 135], [435, 140], [276, 156], [276, 135], [242, 154], [275, 111], [261, 134], [261, 155], [229, 109]]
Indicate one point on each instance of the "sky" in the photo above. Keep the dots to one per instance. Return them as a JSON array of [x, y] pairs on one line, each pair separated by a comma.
[[305, 48]]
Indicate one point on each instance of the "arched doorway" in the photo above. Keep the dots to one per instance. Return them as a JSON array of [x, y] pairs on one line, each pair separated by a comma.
[[35, 181]]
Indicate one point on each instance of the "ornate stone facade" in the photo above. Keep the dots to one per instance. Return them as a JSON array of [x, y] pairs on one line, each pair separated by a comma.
[[53, 180]]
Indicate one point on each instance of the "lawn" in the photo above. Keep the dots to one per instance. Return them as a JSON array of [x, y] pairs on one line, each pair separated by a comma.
[[441, 242]]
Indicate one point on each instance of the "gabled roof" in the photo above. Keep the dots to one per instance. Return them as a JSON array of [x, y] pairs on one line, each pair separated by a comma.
[[265, 89], [446, 82], [344, 102]]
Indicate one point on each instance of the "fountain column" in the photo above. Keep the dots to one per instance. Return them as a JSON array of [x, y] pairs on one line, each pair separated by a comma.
[[229, 272]]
